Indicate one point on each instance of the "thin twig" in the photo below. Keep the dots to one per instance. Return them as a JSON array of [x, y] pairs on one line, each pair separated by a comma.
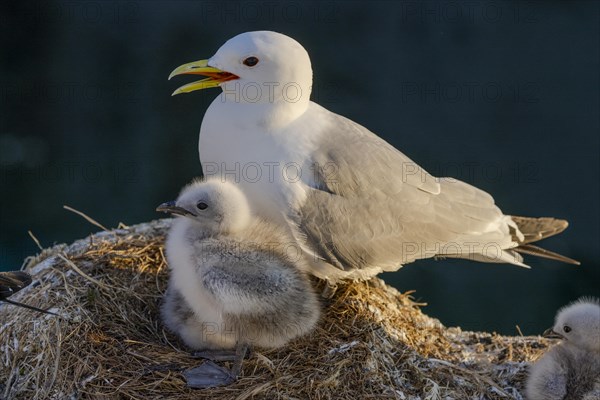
[[37, 242], [86, 217], [519, 330], [80, 272]]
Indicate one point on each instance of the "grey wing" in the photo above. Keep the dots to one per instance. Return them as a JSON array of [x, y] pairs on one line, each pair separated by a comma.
[[261, 285], [372, 207]]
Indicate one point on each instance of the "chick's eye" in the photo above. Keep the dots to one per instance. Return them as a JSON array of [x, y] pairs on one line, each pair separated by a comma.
[[251, 61], [202, 205], [567, 328]]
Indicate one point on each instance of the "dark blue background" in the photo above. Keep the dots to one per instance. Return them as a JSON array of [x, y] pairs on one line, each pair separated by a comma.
[[503, 95]]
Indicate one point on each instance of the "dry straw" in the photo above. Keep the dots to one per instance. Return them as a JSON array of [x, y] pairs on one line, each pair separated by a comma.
[[371, 342]]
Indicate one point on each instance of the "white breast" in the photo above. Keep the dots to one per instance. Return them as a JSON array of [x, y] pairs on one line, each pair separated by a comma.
[[185, 275], [271, 165]]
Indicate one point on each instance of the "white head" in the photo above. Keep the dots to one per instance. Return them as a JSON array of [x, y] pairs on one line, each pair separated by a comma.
[[579, 324], [255, 67], [218, 206]]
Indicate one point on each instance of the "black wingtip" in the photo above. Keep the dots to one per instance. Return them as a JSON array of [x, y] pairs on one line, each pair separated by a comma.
[[16, 303], [540, 252]]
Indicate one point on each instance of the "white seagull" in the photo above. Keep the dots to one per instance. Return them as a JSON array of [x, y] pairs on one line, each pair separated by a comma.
[[356, 205]]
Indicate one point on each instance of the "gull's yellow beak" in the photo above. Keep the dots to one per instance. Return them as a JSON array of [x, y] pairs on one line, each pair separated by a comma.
[[215, 76]]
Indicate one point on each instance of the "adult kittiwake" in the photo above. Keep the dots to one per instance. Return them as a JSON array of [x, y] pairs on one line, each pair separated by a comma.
[[356, 205]]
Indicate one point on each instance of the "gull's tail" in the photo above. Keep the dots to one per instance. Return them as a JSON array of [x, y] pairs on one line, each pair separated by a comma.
[[534, 229]]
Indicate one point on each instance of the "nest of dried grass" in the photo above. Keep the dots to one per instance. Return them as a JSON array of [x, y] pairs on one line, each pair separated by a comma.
[[372, 341]]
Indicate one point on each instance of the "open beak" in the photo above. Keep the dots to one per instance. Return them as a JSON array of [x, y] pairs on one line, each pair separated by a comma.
[[550, 334], [170, 207], [215, 76]]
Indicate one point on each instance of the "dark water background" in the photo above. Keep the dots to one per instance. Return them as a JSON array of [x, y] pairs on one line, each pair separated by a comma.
[[503, 95]]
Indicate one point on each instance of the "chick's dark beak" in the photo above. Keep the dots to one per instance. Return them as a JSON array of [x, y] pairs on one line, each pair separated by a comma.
[[170, 207], [550, 334]]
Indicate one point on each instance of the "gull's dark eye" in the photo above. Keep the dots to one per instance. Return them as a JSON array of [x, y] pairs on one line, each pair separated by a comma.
[[567, 328], [251, 61], [202, 205]]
